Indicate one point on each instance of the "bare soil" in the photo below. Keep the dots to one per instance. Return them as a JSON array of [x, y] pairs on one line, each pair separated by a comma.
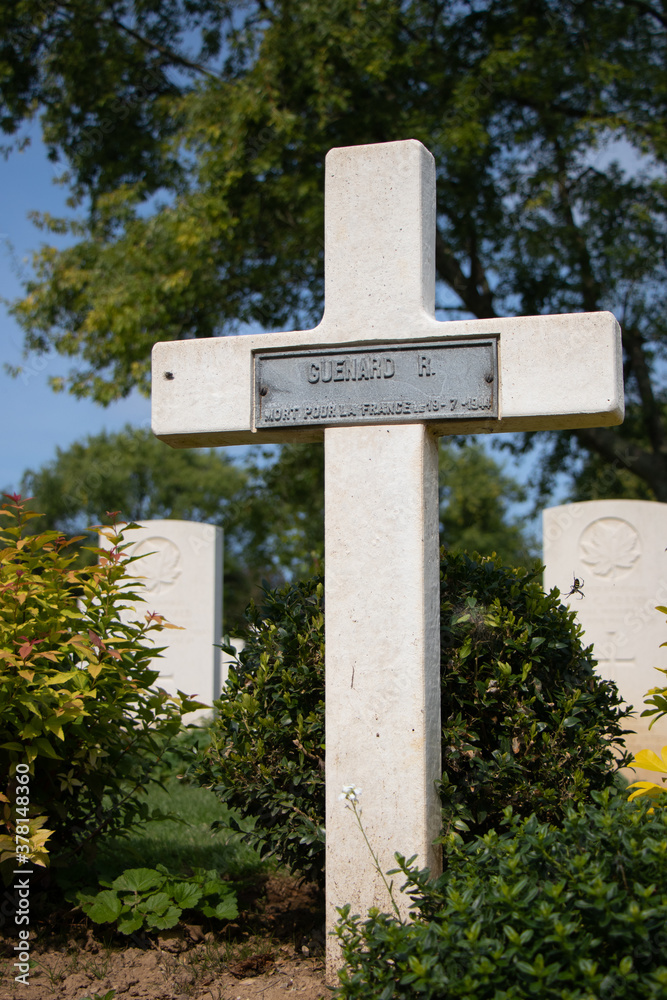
[[274, 951]]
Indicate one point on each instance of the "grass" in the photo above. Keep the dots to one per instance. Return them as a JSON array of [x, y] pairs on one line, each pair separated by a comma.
[[184, 842], [181, 841]]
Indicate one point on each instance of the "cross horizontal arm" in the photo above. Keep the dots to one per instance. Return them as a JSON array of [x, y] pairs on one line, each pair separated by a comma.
[[554, 372]]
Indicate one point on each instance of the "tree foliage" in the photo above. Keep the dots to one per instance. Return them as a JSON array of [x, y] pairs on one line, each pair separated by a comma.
[[193, 134], [270, 505], [131, 466], [133, 473], [270, 502], [476, 501]]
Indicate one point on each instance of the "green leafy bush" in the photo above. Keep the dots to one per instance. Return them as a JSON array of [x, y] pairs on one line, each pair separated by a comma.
[[657, 696], [155, 898], [525, 721], [78, 711], [656, 699], [570, 912], [266, 756]]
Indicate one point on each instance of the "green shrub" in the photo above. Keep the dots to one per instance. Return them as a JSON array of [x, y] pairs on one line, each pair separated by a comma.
[[266, 756], [525, 720], [78, 711], [656, 699], [574, 912]]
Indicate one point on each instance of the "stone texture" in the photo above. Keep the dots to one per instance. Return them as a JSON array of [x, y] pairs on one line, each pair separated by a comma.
[[182, 576], [617, 548], [382, 588]]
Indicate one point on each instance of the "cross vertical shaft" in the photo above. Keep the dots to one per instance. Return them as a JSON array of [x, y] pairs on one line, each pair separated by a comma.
[[382, 657], [381, 541]]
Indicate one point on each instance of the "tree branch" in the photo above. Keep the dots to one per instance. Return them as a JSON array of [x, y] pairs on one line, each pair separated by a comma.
[[623, 454], [163, 50], [561, 109], [646, 8], [479, 303], [170, 54], [590, 288], [651, 416]]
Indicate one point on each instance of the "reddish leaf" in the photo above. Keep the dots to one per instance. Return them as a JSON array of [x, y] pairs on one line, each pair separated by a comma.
[[95, 639]]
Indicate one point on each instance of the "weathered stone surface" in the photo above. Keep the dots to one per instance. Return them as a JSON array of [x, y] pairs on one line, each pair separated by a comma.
[[382, 588], [616, 549]]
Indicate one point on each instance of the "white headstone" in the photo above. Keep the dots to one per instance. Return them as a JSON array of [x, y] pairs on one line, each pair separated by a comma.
[[616, 550], [378, 380], [181, 572]]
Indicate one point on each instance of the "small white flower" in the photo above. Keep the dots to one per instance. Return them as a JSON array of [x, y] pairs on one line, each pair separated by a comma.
[[350, 794]]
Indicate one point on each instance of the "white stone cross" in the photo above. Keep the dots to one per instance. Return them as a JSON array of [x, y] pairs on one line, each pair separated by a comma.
[[379, 379]]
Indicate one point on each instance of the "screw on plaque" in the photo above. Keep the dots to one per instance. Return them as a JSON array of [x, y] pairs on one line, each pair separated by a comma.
[[488, 378], [263, 391]]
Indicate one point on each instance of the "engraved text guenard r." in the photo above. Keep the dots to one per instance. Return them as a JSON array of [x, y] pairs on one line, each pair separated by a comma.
[[389, 383]]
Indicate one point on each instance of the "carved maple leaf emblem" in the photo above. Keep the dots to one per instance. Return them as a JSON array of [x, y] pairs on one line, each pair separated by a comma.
[[159, 567], [610, 547]]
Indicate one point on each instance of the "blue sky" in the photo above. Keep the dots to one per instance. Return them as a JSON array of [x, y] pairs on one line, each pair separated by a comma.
[[35, 419]]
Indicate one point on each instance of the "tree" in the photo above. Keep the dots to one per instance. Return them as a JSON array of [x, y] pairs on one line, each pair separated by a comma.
[[133, 472], [476, 498], [269, 503], [194, 133]]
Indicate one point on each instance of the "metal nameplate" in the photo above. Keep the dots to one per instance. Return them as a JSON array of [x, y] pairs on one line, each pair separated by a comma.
[[378, 384]]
